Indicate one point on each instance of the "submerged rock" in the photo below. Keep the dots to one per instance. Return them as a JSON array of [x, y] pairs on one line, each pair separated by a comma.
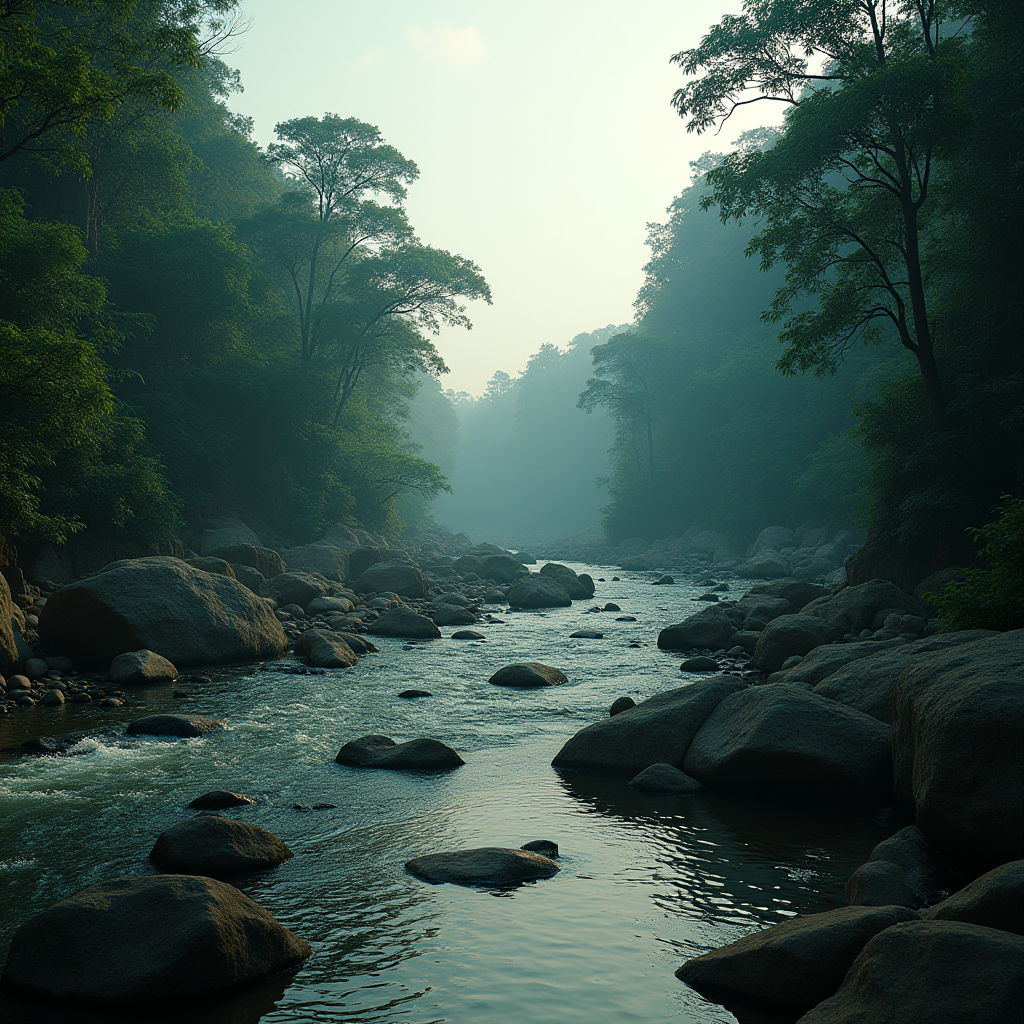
[[467, 634], [406, 624], [183, 726], [535, 591], [544, 847], [663, 778], [419, 755], [528, 675], [220, 800], [211, 845], [488, 865]]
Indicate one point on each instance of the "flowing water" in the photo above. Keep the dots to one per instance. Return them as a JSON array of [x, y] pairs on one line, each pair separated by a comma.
[[645, 882]]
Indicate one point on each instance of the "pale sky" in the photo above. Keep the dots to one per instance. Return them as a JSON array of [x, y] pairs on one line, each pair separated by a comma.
[[542, 130]]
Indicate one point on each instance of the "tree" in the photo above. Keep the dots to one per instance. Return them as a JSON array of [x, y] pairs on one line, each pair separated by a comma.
[[873, 91]]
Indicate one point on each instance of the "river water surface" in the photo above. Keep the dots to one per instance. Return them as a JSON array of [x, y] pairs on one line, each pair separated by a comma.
[[645, 882]]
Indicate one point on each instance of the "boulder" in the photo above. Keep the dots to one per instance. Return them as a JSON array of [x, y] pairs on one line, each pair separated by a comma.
[[786, 741], [578, 588], [141, 667], [265, 561], [452, 615], [250, 578], [8, 648], [902, 871], [299, 588], [788, 635], [182, 726], [699, 664], [958, 748], [360, 559], [324, 558], [358, 644], [222, 533], [798, 593], [397, 577], [930, 972], [220, 800], [406, 624], [710, 627], [774, 538], [419, 755], [621, 704], [763, 608], [467, 634], [211, 845], [163, 605], [545, 847], [536, 591], [658, 729], [663, 778], [853, 608], [995, 900], [935, 584], [828, 659], [322, 649], [489, 865], [528, 675], [768, 565], [502, 569], [326, 605], [866, 683], [153, 939], [215, 565], [469, 564], [793, 965]]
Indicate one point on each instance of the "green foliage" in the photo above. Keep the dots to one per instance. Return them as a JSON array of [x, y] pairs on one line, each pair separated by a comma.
[[992, 597]]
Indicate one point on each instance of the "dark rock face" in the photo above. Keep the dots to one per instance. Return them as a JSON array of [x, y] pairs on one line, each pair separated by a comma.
[[958, 748], [141, 667], [362, 558], [663, 778], [8, 649], [489, 865], [186, 727], [535, 591], [405, 624], [931, 972], [163, 605], [784, 740], [325, 558], [295, 588], [266, 561], [901, 871], [211, 845], [151, 939], [797, 592], [710, 627], [853, 608], [828, 659], [792, 965], [419, 755], [528, 675], [220, 800], [995, 900], [323, 649], [789, 635], [657, 730], [395, 577], [502, 569]]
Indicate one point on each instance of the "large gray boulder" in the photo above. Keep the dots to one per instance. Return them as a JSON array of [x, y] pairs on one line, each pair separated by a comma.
[[783, 740], [265, 561], [215, 565], [299, 588], [790, 635], [579, 588], [405, 624], [488, 865], [866, 683], [931, 972], [162, 605], [141, 667], [793, 965], [419, 755], [211, 845], [710, 627], [995, 900], [536, 591], [763, 608], [529, 675], [798, 593], [958, 748], [502, 569], [853, 608], [154, 939], [324, 557], [395, 577], [828, 659], [766, 565], [657, 730], [8, 649], [323, 649], [222, 533]]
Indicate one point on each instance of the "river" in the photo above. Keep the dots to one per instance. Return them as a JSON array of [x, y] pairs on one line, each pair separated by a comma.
[[645, 882]]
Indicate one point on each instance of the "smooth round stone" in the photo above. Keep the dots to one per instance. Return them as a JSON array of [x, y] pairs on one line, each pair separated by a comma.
[[620, 705], [211, 845], [528, 675], [488, 865], [220, 800], [52, 698], [699, 664], [467, 634], [34, 668], [663, 778], [411, 694], [544, 847], [586, 634], [625, 618], [611, 607], [19, 682]]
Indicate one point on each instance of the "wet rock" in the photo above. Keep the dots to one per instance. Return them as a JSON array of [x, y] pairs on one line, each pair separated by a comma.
[[586, 634], [931, 972], [397, 576], [322, 649], [625, 618], [901, 871], [451, 615], [879, 884], [544, 847], [494, 597], [322, 605], [45, 745], [52, 698], [173, 725], [298, 588], [657, 730], [488, 865], [150, 939], [211, 845], [142, 667], [788, 635], [666, 581], [785, 741], [358, 644], [220, 800], [536, 591], [406, 624], [699, 664], [528, 675], [611, 606], [853, 608], [34, 668], [620, 705], [420, 755], [995, 900], [467, 634], [663, 778], [411, 694], [502, 569], [579, 588], [459, 600], [710, 627], [793, 965]]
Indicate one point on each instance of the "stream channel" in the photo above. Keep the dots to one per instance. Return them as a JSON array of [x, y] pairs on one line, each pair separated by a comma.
[[646, 882]]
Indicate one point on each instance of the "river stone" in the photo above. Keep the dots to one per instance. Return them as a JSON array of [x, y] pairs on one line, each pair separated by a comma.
[[151, 939], [459, 600], [586, 634], [798, 593], [220, 800], [853, 608], [931, 972], [397, 576], [358, 644], [298, 588], [663, 778], [406, 624], [902, 871], [545, 847], [762, 608], [419, 755], [958, 748], [363, 557], [452, 615], [878, 883], [621, 704], [211, 845], [867, 683], [323, 558], [786, 741], [142, 667], [787, 635], [323, 605], [710, 627], [488, 865], [467, 634], [413, 694], [766, 565], [793, 965], [502, 569], [995, 900], [52, 698], [322, 649], [528, 675], [535, 591], [699, 664], [174, 725], [658, 729], [160, 604]]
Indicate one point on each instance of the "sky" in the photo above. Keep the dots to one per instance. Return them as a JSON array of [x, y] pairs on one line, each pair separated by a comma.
[[543, 132]]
